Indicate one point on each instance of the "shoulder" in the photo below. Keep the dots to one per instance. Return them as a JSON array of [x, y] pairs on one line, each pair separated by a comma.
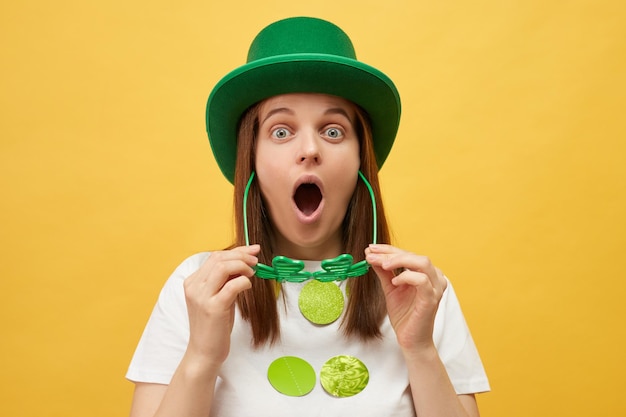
[[188, 266], [191, 264], [449, 320], [173, 287]]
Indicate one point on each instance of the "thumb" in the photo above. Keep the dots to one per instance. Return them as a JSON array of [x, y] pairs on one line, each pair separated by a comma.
[[384, 275]]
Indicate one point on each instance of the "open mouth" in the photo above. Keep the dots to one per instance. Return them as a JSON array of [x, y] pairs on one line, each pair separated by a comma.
[[307, 198]]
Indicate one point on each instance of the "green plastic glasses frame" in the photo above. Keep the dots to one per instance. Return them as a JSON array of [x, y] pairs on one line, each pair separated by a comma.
[[291, 270]]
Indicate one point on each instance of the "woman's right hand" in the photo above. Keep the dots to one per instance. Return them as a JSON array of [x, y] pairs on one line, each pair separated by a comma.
[[210, 294]]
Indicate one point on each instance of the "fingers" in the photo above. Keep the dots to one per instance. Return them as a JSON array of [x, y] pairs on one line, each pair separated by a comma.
[[389, 257], [221, 265], [417, 270], [228, 293], [224, 271], [385, 276]]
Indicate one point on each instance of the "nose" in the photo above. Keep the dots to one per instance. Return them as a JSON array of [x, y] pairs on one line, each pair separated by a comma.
[[309, 149]]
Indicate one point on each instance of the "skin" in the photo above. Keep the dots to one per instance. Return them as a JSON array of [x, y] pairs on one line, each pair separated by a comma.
[[308, 135]]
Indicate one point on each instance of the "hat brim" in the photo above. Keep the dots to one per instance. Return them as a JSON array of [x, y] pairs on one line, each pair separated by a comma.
[[300, 73]]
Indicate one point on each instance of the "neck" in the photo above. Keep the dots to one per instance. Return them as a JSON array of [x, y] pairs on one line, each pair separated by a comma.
[[330, 248]]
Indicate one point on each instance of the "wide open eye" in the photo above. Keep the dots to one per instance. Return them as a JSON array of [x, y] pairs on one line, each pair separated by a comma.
[[333, 133], [280, 133]]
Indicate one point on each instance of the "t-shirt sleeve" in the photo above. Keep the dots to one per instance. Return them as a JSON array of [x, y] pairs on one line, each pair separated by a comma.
[[456, 347], [165, 337]]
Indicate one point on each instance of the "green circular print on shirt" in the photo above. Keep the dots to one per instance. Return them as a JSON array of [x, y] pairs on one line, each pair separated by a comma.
[[291, 376], [321, 302], [344, 376]]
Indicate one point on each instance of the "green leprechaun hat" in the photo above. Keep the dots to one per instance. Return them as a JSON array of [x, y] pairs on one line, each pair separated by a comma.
[[300, 55]]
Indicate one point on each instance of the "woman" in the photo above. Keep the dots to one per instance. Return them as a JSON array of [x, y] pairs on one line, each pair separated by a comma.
[[264, 328]]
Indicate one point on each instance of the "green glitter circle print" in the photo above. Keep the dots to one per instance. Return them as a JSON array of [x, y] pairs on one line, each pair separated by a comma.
[[321, 302], [344, 376]]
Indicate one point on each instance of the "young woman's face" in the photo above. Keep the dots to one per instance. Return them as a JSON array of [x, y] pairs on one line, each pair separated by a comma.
[[307, 162]]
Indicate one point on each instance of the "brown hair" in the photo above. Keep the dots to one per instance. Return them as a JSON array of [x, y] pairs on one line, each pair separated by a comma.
[[366, 305]]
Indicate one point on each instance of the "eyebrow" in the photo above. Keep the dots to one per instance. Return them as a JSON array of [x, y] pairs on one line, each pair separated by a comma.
[[339, 110], [275, 111]]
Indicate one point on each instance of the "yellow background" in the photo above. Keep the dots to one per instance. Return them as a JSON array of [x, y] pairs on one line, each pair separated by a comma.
[[508, 172]]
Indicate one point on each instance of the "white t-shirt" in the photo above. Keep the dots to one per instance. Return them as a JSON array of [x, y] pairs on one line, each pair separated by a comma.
[[243, 388]]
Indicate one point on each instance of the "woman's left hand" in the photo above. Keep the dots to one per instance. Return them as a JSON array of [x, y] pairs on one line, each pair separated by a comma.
[[412, 295]]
